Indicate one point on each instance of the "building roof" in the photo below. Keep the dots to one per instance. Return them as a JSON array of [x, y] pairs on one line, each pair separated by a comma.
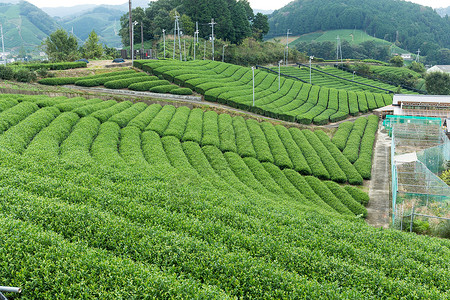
[[399, 98], [442, 68]]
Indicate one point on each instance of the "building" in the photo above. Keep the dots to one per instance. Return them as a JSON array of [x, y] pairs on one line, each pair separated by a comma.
[[437, 106], [406, 56], [439, 68]]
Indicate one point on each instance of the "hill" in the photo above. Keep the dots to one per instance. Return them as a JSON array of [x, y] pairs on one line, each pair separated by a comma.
[[94, 209], [413, 25], [350, 35], [24, 25], [103, 19]]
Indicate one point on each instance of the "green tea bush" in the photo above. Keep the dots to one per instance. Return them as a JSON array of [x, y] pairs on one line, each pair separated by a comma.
[[163, 88], [181, 91]]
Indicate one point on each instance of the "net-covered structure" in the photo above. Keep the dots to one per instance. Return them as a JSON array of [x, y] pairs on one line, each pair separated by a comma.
[[420, 152]]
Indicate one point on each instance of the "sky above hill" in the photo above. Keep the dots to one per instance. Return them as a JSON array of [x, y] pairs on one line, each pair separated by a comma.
[[255, 4]]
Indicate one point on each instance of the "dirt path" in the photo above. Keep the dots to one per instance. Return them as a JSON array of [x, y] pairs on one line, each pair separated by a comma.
[[379, 205]]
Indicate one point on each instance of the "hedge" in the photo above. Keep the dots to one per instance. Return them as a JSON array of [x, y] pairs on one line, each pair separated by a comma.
[[124, 83], [262, 150], [163, 88], [124, 117], [162, 119], [295, 154], [357, 194], [226, 133], [341, 135], [147, 85], [153, 150], [336, 173], [194, 126], [346, 199], [351, 150], [364, 162], [324, 192], [280, 155], [142, 120], [244, 143], [177, 125], [314, 162], [353, 176], [181, 91]]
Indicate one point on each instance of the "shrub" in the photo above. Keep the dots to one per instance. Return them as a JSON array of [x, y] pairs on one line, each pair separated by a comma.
[[87, 82], [58, 81], [147, 85], [181, 91], [6, 72], [24, 75], [124, 83], [163, 88]]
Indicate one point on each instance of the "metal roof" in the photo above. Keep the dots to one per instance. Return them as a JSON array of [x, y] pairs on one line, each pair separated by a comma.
[[420, 98]]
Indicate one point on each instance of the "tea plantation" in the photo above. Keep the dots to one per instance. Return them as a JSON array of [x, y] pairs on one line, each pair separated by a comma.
[[289, 100], [111, 200]]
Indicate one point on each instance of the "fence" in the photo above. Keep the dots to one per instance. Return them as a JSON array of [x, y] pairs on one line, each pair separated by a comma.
[[420, 151]]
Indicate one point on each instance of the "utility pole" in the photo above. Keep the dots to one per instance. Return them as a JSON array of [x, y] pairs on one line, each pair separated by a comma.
[[175, 35], [223, 52], [184, 45], [142, 39], [3, 45], [212, 35], [279, 74], [310, 78], [130, 21], [338, 49], [287, 45], [195, 37], [204, 52], [164, 39], [132, 41], [417, 57], [253, 77], [179, 41]]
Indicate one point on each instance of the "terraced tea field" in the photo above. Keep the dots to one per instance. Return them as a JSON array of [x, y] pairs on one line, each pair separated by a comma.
[[294, 101], [346, 81], [101, 199]]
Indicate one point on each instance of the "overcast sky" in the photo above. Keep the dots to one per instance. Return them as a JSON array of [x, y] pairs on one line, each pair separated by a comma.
[[255, 4]]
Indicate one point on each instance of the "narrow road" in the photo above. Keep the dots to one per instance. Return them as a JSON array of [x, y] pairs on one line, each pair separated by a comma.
[[378, 208]]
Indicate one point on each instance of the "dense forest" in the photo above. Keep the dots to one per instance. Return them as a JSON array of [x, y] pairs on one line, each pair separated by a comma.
[[410, 26], [234, 20]]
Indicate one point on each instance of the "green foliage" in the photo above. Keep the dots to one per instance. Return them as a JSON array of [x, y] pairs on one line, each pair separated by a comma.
[[351, 150], [147, 85], [342, 134], [396, 61], [357, 194], [163, 88], [91, 48], [364, 162], [378, 18], [124, 83], [438, 83], [24, 75], [60, 46], [417, 67], [111, 199], [55, 66], [446, 177], [6, 72], [181, 91]]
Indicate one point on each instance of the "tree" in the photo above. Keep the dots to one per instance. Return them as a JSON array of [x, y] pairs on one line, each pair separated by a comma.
[[60, 46], [438, 83], [92, 48], [396, 61], [260, 26], [417, 67]]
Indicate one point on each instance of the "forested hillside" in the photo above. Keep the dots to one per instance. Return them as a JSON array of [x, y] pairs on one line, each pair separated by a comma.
[[24, 25], [410, 26]]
